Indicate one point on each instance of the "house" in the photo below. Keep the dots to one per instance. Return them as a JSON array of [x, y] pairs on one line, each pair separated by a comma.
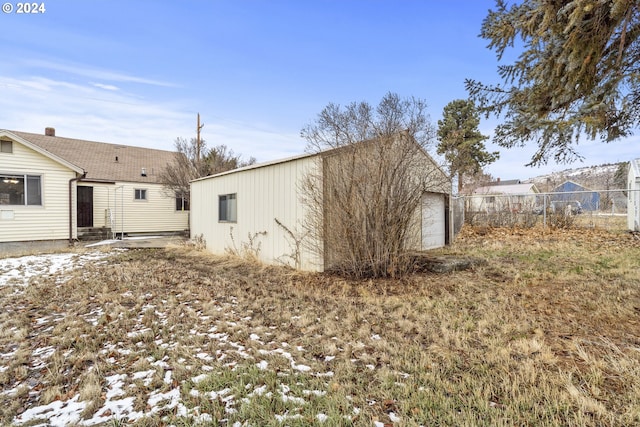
[[570, 191], [512, 196], [54, 188], [633, 196], [261, 209]]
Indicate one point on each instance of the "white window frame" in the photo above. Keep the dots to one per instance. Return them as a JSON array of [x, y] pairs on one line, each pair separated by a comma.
[[142, 192], [228, 207], [184, 203], [25, 177]]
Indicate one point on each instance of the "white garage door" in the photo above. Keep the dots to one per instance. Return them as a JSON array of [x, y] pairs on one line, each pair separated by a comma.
[[433, 225]]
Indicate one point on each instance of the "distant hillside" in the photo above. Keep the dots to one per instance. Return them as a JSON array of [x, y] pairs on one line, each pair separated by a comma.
[[593, 177]]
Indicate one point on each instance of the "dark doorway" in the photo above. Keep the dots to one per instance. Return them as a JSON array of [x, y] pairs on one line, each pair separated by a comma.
[[85, 206]]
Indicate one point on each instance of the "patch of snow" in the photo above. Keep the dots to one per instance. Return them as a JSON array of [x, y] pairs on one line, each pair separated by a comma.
[[115, 384], [301, 368], [173, 397], [394, 418], [57, 413], [199, 378], [204, 356], [19, 271], [167, 377]]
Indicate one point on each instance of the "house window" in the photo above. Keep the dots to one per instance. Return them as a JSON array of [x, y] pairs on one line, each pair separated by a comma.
[[182, 203], [6, 146], [140, 194], [227, 211], [20, 190]]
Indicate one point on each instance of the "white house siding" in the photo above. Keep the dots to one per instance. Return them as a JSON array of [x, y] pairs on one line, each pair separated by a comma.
[[156, 214], [49, 221], [263, 194]]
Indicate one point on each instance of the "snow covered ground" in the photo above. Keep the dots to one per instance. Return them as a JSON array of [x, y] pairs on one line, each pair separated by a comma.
[[19, 271], [156, 379]]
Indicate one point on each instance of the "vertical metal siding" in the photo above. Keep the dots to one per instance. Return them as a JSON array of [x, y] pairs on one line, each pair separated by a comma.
[[263, 194]]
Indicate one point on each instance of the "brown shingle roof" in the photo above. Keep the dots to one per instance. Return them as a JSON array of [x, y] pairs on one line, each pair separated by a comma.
[[98, 159]]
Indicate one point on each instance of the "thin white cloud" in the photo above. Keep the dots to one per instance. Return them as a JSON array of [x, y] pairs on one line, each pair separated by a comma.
[[95, 73], [106, 87], [251, 140], [88, 112]]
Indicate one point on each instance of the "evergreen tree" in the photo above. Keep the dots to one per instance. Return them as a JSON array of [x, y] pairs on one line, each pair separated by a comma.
[[621, 175], [578, 73], [461, 142]]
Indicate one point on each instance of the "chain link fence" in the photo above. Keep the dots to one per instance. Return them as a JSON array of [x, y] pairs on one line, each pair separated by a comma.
[[590, 209]]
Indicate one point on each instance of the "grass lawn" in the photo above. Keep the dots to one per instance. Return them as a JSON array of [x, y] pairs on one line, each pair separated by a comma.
[[545, 332]]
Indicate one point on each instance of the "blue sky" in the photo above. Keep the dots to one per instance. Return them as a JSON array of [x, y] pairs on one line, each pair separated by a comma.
[[138, 72]]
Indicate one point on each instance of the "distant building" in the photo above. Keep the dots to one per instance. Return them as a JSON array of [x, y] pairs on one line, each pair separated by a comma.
[[510, 195], [571, 191]]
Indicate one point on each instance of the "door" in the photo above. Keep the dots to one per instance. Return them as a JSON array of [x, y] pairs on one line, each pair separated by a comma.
[[85, 206], [433, 221]]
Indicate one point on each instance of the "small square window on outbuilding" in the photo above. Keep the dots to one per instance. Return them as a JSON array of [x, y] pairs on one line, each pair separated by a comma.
[[227, 211], [140, 194]]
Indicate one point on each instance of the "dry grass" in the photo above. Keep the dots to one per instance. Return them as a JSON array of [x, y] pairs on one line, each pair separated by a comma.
[[547, 332]]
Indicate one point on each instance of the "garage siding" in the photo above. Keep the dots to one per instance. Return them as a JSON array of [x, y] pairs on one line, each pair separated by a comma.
[[264, 194], [433, 221]]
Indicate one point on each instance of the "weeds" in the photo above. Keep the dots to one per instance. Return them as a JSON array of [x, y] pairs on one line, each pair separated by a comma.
[[544, 333]]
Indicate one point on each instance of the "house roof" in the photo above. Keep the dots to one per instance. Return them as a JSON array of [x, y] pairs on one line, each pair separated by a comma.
[[57, 159], [505, 182], [568, 183], [103, 161], [258, 165], [326, 152], [507, 189]]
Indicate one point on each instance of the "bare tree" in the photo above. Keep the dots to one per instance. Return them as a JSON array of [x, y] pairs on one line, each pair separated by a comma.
[[188, 166], [220, 159], [364, 199]]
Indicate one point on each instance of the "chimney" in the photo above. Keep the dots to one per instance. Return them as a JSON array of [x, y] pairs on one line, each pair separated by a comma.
[[50, 131], [143, 172], [498, 179]]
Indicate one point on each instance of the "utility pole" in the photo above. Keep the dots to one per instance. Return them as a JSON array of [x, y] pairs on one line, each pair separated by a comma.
[[199, 126]]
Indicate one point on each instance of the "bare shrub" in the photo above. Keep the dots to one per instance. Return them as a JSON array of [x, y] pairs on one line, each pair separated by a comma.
[[249, 249], [560, 219], [364, 199]]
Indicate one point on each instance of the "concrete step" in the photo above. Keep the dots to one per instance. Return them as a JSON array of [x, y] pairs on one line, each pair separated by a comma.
[[91, 233]]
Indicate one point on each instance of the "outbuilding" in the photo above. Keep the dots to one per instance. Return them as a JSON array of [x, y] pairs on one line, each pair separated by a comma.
[[570, 191], [505, 196], [261, 210]]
